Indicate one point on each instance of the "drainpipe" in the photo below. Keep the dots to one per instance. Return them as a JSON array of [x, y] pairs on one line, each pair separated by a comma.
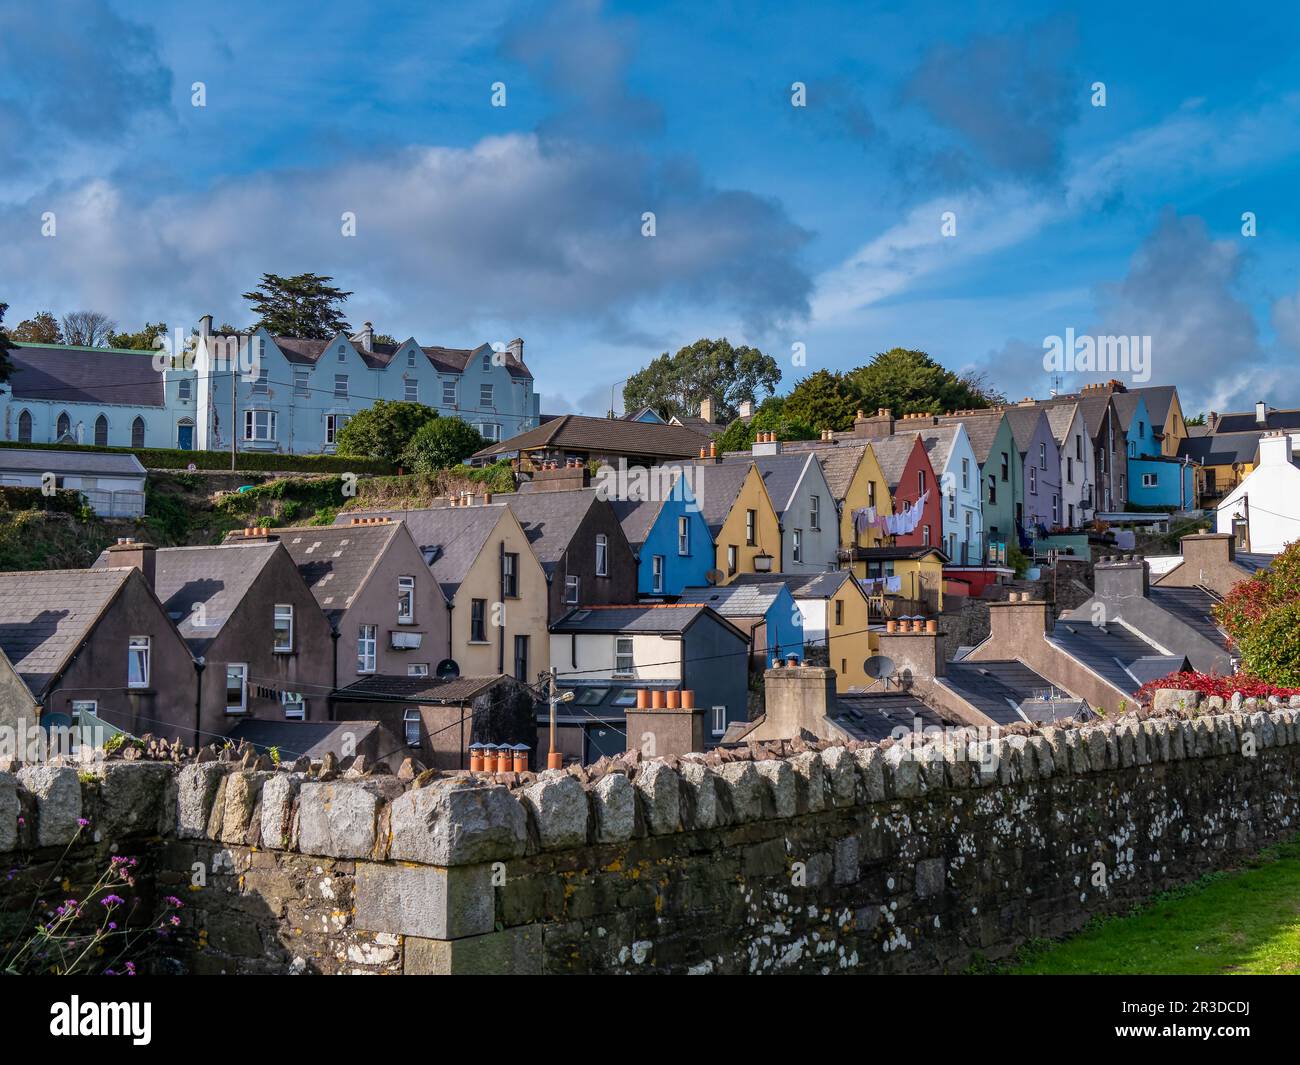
[[450, 617], [334, 642], [199, 666]]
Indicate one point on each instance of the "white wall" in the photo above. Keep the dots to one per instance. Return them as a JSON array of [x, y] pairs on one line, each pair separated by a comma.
[[654, 657], [1269, 497]]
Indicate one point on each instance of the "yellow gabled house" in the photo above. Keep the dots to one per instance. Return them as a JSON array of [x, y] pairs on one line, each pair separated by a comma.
[[741, 517], [856, 481]]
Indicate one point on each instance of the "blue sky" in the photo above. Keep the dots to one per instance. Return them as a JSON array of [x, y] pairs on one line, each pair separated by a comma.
[[776, 225]]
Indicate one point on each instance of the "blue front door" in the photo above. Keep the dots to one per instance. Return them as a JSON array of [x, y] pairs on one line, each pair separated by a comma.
[[185, 437]]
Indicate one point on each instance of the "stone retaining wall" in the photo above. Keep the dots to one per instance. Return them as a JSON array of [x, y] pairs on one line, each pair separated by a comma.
[[920, 855]]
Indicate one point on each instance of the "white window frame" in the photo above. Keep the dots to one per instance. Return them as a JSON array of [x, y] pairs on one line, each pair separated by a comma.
[[410, 358], [411, 389], [485, 396], [340, 386], [965, 475], [367, 648], [261, 381], [683, 535], [796, 545], [282, 610], [1150, 480], [242, 708], [343, 353], [81, 706], [448, 387], [334, 424], [417, 669], [718, 726], [301, 381], [294, 705], [622, 657], [185, 388], [406, 594], [573, 589], [252, 417], [815, 513], [602, 555], [411, 716], [657, 574], [1033, 480], [142, 645]]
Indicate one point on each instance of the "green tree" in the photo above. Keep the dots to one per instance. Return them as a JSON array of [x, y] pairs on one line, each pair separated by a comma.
[[144, 340], [1262, 615], [773, 415], [383, 430], [6, 367], [911, 382], [305, 306], [823, 400], [442, 443], [43, 329], [674, 384]]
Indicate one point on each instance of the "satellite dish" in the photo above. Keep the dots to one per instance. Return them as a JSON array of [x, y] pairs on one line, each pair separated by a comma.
[[878, 667], [714, 576], [447, 669]]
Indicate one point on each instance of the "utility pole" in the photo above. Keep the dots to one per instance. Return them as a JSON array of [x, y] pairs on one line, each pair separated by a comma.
[[555, 759], [234, 388]]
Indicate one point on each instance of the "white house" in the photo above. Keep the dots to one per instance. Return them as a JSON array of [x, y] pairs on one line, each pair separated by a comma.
[[1263, 511], [112, 483], [958, 470]]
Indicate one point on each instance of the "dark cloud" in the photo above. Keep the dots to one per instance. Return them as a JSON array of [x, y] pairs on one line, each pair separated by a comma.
[[1006, 100]]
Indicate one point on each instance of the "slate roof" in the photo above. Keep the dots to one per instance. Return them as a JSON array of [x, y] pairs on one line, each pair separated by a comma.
[[1024, 423], [716, 487], [383, 686], [881, 715], [64, 374], [550, 519], [449, 537], [896, 554], [1114, 652], [1245, 421], [735, 600], [46, 614], [1191, 606], [580, 432], [1093, 406], [839, 459], [801, 585], [982, 430], [293, 739], [1159, 398], [1220, 449], [1060, 418], [637, 518], [652, 618], [218, 577], [379, 356], [1125, 406], [997, 689], [67, 461], [1254, 561], [939, 441], [892, 452], [781, 474], [335, 560], [605, 701]]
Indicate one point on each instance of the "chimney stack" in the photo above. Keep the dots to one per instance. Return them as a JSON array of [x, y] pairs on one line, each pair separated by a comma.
[[797, 698], [516, 348], [1261, 414], [914, 646], [746, 408], [366, 337], [766, 444], [205, 326], [706, 409], [134, 553], [1275, 449], [1019, 621], [879, 424], [1118, 577]]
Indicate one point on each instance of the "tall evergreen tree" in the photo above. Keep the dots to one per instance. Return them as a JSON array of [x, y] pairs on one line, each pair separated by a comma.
[[305, 306]]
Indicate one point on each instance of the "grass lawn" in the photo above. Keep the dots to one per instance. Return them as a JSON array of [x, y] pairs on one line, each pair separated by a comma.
[[1245, 920]]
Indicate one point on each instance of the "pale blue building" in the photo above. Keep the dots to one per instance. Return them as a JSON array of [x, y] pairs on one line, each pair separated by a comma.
[[115, 398], [296, 395]]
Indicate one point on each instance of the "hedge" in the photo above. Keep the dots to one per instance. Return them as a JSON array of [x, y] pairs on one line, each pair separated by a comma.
[[159, 458], [26, 497]]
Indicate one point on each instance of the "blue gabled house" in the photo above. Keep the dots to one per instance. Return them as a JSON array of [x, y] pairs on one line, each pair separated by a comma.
[[767, 612], [1154, 479], [670, 538]]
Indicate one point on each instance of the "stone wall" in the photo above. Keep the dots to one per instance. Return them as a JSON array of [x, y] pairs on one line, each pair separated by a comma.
[[917, 855]]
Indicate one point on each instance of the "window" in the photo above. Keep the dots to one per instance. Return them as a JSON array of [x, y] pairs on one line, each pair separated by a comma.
[[1078, 448], [719, 720], [343, 353], [448, 393], [25, 427], [137, 665], [259, 382], [683, 536], [485, 395], [1033, 481], [487, 362], [815, 513], [236, 688], [478, 621], [411, 390], [1056, 510], [839, 611], [301, 382], [411, 726], [1042, 456], [1006, 467], [417, 669], [367, 649], [63, 426], [283, 628], [602, 555], [259, 425], [965, 474], [1142, 429], [489, 430], [340, 386], [406, 600], [521, 658], [796, 545], [657, 574], [137, 432], [334, 424], [82, 706], [295, 707], [510, 576], [993, 489], [920, 479], [952, 505], [871, 493], [732, 560], [101, 431], [410, 358], [1149, 480], [1069, 470], [184, 388], [925, 535], [624, 661], [572, 589], [751, 518]]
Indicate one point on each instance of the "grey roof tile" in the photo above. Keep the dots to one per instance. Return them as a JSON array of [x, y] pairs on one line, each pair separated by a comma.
[[335, 560], [68, 461], [64, 374]]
